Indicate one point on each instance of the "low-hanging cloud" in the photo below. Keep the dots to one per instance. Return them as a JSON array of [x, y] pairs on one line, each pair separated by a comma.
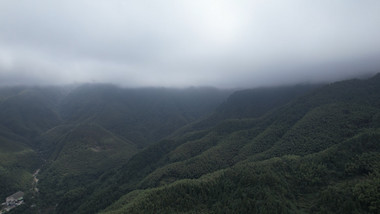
[[221, 43]]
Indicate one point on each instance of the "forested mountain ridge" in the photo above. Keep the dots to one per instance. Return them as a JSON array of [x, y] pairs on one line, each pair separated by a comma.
[[79, 131], [142, 116], [67, 203], [250, 103], [295, 149], [25, 113], [317, 153]]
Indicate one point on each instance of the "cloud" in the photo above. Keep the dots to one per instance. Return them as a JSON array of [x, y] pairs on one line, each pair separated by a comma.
[[222, 43]]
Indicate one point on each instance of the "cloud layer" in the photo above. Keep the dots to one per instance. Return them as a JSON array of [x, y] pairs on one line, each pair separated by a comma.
[[221, 43]]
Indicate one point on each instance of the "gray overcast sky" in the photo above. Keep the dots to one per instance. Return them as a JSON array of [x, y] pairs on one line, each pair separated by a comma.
[[222, 43]]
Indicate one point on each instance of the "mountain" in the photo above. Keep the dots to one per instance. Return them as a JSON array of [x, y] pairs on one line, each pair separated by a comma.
[[24, 114], [104, 149], [17, 162], [251, 103], [74, 134], [314, 153], [142, 116]]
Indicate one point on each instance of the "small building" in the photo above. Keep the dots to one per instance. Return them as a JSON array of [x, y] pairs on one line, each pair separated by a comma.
[[14, 199]]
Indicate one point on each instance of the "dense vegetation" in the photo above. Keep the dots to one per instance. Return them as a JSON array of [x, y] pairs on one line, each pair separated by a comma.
[[341, 179], [77, 133], [317, 153], [299, 149]]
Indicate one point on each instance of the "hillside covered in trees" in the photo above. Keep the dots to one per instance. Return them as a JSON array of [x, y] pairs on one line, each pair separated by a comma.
[[102, 149], [76, 133], [315, 153]]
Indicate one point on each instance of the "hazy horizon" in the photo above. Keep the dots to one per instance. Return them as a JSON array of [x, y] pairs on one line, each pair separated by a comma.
[[209, 43]]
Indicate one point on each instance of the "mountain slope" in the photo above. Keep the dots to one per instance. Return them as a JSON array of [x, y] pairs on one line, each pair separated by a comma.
[[74, 134], [82, 154], [304, 129], [17, 164], [155, 156], [30, 111], [303, 149], [24, 114], [342, 179], [142, 116]]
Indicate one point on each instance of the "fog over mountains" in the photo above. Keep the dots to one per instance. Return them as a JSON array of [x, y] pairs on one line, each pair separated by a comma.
[[187, 43], [191, 106]]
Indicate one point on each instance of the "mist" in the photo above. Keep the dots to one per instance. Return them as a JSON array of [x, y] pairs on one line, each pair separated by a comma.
[[170, 43]]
